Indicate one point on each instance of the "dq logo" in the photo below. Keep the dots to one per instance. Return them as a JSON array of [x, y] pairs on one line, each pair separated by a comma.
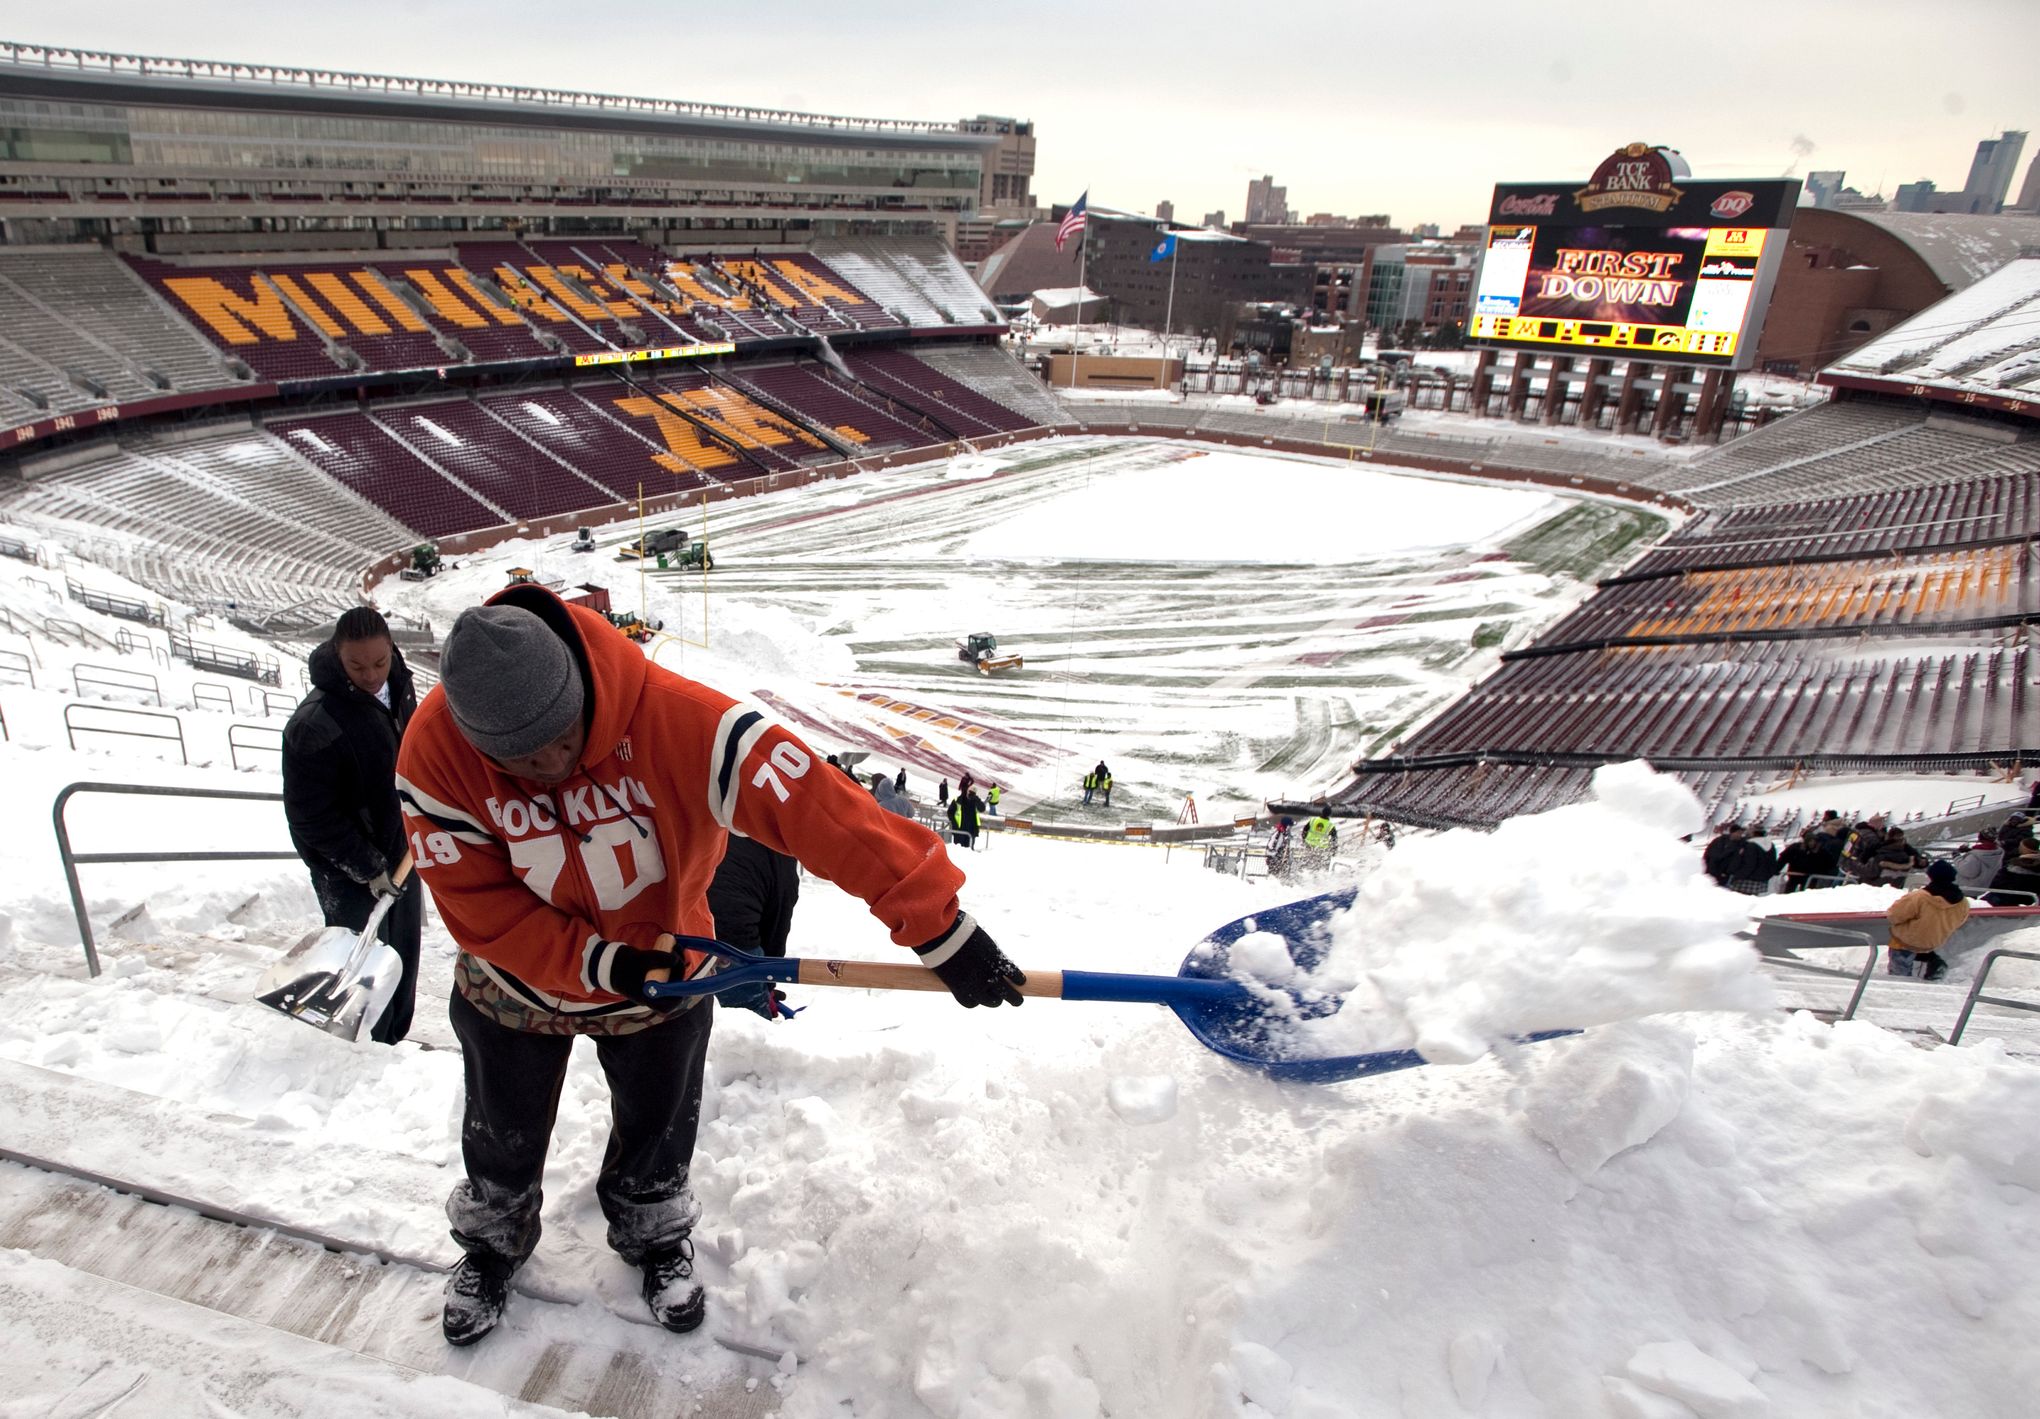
[[1730, 205]]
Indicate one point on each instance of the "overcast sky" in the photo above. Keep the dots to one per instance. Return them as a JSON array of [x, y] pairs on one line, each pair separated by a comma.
[[1408, 109]]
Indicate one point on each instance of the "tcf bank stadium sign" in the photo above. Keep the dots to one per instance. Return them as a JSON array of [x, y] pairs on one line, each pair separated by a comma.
[[1635, 176], [668, 352]]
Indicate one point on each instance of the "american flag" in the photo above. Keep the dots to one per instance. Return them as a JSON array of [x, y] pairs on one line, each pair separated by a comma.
[[1073, 223]]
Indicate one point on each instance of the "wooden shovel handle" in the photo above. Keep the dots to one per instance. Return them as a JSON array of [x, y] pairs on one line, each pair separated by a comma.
[[879, 975]]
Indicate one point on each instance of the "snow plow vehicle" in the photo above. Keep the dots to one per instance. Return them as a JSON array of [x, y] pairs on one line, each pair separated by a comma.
[[673, 548], [982, 650]]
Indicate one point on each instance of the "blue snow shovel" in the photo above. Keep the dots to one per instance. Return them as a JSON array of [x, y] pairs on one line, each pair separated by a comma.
[[1225, 1016]]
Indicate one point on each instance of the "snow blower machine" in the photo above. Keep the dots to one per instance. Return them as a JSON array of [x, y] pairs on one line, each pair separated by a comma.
[[982, 650]]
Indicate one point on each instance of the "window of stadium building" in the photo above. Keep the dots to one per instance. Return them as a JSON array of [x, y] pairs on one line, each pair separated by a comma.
[[188, 137]]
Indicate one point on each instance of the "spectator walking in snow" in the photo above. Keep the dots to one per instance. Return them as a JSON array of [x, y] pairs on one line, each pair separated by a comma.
[[963, 817], [1896, 859], [340, 792], [2020, 871], [1976, 866], [1090, 786], [890, 798], [1801, 859], [1755, 863], [1278, 847], [1859, 857], [1719, 858], [1921, 923], [992, 796], [570, 803], [1105, 788], [942, 794], [900, 783]]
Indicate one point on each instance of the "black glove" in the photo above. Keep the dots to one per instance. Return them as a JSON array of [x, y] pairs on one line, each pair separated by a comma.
[[382, 886], [761, 997], [971, 964], [622, 969]]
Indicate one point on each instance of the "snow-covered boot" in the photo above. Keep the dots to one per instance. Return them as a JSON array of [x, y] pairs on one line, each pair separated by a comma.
[[475, 1296], [676, 1302]]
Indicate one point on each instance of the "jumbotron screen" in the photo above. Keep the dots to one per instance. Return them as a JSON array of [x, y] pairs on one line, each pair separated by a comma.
[[1654, 267]]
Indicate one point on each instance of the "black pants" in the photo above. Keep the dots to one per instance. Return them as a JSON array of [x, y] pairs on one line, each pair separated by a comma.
[[513, 1096], [347, 903]]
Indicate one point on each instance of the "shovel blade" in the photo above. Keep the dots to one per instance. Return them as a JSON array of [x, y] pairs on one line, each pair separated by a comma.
[[304, 982], [362, 999], [1242, 1028]]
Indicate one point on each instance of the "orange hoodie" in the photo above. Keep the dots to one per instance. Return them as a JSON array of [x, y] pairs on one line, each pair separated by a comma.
[[538, 885]]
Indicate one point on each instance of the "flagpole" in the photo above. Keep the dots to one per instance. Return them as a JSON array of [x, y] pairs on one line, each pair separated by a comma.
[[1169, 320], [1077, 330]]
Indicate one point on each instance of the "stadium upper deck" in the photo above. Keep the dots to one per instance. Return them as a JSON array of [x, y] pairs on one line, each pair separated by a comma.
[[186, 154]]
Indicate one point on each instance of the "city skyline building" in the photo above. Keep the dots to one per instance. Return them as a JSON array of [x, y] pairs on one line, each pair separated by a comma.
[[1991, 172]]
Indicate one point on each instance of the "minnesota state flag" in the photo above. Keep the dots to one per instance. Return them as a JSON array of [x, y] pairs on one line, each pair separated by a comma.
[[1163, 249]]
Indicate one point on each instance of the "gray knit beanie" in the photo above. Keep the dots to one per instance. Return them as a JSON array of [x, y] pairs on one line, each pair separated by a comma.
[[510, 681]]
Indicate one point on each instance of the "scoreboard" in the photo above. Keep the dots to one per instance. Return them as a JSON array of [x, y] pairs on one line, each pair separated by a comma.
[[1654, 267]]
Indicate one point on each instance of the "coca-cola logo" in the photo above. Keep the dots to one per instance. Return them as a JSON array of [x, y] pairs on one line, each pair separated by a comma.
[[1730, 205], [1544, 204]]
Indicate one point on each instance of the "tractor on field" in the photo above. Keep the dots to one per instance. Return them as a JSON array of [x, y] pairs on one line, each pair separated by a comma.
[[672, 547], [981, 648]]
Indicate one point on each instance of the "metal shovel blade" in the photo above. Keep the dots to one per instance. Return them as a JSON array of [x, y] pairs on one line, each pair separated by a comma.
[[364, 997], [336, 979], [305, 977]]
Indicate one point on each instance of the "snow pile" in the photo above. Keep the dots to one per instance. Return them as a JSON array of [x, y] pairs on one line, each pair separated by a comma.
[[1588, 914]]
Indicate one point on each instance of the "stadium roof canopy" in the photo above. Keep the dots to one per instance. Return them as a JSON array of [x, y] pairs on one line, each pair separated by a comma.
[[1961, 249], [1980, 347]]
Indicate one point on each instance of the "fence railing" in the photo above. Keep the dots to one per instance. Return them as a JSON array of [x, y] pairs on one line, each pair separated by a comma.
[[13, 662], [74, 860], [128, 642], [72, 729], [125, 608], [1843, 940], [270, 702], [239, 739], [225, 659], [1976, 995], [204, 696], [114, 677]]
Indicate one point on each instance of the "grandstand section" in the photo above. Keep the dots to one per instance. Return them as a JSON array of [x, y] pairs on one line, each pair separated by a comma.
[[1975, 349], [225, 518], [1857, 591]]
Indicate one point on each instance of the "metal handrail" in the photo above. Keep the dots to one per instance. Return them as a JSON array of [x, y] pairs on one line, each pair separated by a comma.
[[72, 729], [1852, 938], [1976, 992], [72, 859]]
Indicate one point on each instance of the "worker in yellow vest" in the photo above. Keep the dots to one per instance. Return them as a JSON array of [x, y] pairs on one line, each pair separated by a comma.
[[1320, 839], [992, 799]]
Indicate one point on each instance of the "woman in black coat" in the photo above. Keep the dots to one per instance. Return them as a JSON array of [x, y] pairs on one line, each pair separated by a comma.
[[340, 791]]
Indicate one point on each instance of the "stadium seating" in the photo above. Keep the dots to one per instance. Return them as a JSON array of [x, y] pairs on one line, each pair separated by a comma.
[[360, 454], [573, 425], [1937, 589], [861, 419], [1978, 512], [760, 437], [108, 321], [227, 517], [1773, 700], [962, 408], [490, 458], [997, 376], [917, 279]]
